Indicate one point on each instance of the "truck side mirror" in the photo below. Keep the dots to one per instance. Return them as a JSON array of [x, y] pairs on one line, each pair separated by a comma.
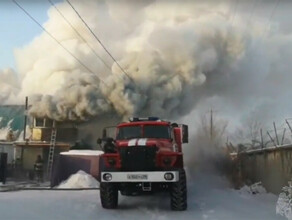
[[109, 146], [185, 134], [98, 141]]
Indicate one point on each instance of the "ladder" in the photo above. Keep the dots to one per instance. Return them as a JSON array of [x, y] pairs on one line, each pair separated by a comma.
[[51, 152]]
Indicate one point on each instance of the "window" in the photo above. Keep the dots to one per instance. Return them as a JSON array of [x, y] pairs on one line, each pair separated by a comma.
[[126, 133], [49, 123], [39, 122], [43, 122], [154, 131]]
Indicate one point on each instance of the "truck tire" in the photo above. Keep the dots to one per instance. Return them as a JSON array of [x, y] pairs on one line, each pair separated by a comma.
[[108, 195], [178, 193]]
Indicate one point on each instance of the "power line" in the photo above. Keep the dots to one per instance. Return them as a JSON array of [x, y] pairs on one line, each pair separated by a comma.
[[253, 9], [230, 9], [95, 36], [272, 15], [59, 43], [274, 10], [77, 32], [235, 10]]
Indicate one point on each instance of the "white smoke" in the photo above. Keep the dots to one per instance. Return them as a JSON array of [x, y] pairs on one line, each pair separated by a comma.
[[9, 86], [175, 53]]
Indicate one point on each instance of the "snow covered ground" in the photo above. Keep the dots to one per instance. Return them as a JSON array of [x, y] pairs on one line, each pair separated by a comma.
[[209, 198]]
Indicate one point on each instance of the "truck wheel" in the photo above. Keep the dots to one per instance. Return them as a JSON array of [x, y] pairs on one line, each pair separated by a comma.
[[108, 195], [178, 193]]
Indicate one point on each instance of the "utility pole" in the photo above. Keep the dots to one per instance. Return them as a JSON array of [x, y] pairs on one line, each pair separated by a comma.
[[211, 124], [25, 117]]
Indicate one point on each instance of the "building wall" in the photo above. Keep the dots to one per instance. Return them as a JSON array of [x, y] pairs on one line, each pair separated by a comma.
[[69, 135], [273, 167], [9, 149], [30, 156]]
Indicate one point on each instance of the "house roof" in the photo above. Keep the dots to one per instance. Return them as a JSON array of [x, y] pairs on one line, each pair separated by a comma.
[[12, 116]]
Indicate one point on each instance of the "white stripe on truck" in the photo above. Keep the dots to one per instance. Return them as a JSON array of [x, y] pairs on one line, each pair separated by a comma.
[[142, 142], [132, 142]]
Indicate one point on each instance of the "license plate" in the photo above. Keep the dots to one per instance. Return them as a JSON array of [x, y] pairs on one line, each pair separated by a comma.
[[137, 176]]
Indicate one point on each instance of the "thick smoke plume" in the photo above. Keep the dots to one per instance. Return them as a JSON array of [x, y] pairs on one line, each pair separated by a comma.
[[9, 86], [176, 54], [205, 152]]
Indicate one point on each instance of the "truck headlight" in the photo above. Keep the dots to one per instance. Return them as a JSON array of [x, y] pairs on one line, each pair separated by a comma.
[[168, 176], [107, 177]]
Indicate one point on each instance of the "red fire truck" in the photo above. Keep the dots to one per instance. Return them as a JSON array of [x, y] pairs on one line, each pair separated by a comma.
[[144, 156]]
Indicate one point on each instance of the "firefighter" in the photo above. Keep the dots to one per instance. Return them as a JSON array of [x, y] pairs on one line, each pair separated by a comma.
[[38, 168]]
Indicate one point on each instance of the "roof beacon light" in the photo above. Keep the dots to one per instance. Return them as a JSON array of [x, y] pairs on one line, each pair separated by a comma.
[[153, 119], [133, 119]]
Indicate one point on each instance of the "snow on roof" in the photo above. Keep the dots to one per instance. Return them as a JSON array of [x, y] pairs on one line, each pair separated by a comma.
[[83, 152]]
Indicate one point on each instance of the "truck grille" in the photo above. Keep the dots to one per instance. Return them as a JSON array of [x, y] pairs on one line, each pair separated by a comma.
[[136, 158]]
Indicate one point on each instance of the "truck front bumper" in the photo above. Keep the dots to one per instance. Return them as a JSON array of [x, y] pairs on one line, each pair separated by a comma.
[[140, 176]]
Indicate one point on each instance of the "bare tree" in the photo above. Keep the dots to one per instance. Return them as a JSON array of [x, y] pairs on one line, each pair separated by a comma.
[[212, 133], [249, 133]]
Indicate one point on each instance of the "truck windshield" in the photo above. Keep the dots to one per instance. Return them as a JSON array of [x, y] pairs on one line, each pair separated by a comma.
[[150, 131], [154, 131], [130, 132]]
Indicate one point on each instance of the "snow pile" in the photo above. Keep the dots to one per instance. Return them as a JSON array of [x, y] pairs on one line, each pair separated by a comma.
[[83, 152], [79, 180], [284, 203], [256, 188]]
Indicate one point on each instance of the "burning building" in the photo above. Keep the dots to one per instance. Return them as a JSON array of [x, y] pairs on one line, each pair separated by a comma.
[[43, 137], [44, 134]]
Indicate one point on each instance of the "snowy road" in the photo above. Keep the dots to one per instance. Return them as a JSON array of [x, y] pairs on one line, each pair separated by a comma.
[[206, 201]]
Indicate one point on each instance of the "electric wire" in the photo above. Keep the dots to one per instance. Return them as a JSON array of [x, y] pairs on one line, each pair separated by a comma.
[[56, 40], [95, 36], [272, 15], [229, 10], [60, 44], [254, 6], [77, 32], [274, 10], [235, 11]]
